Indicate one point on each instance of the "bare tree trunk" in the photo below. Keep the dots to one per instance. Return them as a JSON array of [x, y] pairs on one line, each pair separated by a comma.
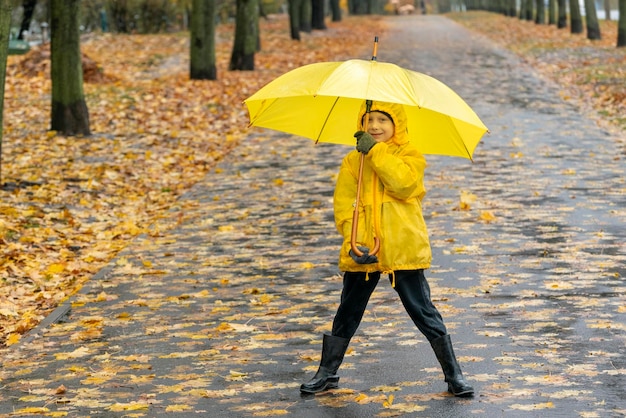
[[591, 17], [335, 10], [306, 7], [562, 21], [318, 14], [202, 64], [70, 115], [552, 8], [5, 32], [621, 25], [540, 16], [526, 10], [246, 40], [576, 20], [294, 18]]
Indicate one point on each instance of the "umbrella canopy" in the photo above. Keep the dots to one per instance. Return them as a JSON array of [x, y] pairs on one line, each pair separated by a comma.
[[322, 101]]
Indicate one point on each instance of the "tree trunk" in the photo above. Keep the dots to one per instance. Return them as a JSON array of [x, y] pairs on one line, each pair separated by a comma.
[[305, 16], [591, 18], [562, 11], [318, 14], [530, 10], [576, 21], [552, 12], [335, 10], [621, 24], [540, 16], [202, 65], [246, 39], [512, 6], [69, 110], [5, 32], [294, 18]]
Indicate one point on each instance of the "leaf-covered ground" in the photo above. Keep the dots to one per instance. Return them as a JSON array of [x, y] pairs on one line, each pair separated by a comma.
[[591, 72], [221, 312], [69, 205]]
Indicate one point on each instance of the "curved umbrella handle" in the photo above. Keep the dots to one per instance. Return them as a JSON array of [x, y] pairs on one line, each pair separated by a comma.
[[355, 215], [355, 218]]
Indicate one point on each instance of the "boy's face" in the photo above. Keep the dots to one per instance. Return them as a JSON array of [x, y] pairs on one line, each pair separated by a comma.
[[380, 126]]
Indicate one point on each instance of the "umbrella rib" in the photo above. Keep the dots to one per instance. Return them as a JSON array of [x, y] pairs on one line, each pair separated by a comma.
[[319, 135], [261, 110]]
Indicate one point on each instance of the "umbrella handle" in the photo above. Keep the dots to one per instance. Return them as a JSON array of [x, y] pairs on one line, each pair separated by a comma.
[[355, 217], [355, 214]]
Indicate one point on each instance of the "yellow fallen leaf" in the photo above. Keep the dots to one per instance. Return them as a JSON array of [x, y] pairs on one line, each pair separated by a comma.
[[532, 407], [487, 216], [79, 352], [271, 413], [235, 375], [388, 402], [360, 398], [55, 268], [132, 406], [386, 388], [178, 408], [31, 410], [13, 338]]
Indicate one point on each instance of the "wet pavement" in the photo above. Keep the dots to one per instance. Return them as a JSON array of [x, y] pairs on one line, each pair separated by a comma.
[[222, 316]]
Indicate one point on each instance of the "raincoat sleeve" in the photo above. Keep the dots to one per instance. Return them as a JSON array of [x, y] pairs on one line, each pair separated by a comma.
[[402, 173], [345, 196]]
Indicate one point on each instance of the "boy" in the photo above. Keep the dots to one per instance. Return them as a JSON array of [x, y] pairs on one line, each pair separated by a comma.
[[390, 210]]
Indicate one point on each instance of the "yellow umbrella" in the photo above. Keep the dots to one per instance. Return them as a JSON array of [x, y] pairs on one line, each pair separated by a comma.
[[322, 102]]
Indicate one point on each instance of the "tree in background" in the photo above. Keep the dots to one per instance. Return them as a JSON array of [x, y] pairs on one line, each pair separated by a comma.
[[621, 24], [5, 32], [70, 115], [246, 36], [591, 18], [335, 10], [318, 14], [306, 21], [540, 16], [562, 20], [529, 10], [294, 18], [202, 42], [552, 12], [576, 20]]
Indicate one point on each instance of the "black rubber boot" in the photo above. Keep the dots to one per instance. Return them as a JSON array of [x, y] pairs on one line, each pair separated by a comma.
[[451, 369], [333, 350]]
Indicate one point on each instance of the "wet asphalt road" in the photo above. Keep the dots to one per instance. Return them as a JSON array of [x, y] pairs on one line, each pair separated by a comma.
[[226, 318]]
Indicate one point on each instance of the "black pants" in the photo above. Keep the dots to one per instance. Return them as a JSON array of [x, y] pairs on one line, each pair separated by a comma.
[[414, 292]]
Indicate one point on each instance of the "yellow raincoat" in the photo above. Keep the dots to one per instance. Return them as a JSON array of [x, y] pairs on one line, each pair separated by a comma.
[[390, 207]]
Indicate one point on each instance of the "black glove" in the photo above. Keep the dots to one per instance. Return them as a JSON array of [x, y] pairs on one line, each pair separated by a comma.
[[365, 258], [364, 142]]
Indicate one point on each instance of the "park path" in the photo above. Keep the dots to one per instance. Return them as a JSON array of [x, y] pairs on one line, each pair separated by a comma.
[[222, 316]]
